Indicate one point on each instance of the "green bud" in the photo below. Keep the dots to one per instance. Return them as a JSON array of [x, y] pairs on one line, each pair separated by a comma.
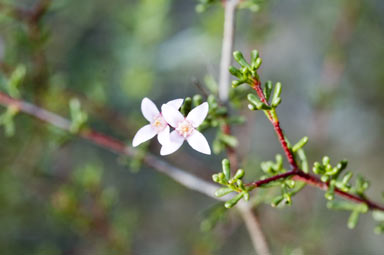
[[290, 183], [287, 198], [236, 83], [254, 56], [379, 229], [197, 100], [317, 168], [268, 90], [324, 178], [222, 177], [15, 81], [257, 64], [212, 102], [187, 106], [326, 160], [252, 107], [341, 205], [226, 168], [246, 196], [277, 91], [239, 174], [300, 144], [240, 184], [221, 111], [276, 201], [235, 72], [229, 140], [237, 120], [353, 219], [267, 167], [329, 195], [240, 59], [222, 192], [257, 103], [347, 177], [215, 178], [231, 203], [279, 161], [275, 102]]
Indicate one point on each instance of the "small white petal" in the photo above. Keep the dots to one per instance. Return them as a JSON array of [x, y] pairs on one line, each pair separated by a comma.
[[144, 134], [149, 109], [198, 114], [198, 142], [163, 136], [176, 103], [174, 143], [171, 115]]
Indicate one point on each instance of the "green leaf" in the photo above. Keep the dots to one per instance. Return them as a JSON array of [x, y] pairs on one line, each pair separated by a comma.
[[223, 191], [238, 56], [353, 219], [239, 174], [231, 203], [300, 144], [226, 168]]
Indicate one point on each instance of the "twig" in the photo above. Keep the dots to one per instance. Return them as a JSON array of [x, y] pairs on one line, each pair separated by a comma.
[[250, 219], [186, 179], [297, 173], [254, 228], [227, 48]]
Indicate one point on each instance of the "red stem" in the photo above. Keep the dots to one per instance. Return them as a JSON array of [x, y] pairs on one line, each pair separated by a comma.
[[276, 125], [298, 174]]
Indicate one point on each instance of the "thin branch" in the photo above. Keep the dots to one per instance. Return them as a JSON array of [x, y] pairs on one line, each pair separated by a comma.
[[276, 125], [297, 173], [227, 48], [254, 228], [184, 178], [250, 219]]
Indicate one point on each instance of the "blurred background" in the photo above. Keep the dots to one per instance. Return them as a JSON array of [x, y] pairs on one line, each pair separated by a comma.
[[62, 195]]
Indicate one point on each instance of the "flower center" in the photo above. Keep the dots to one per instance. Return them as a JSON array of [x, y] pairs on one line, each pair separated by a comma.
[[159, 123], [185, 128]]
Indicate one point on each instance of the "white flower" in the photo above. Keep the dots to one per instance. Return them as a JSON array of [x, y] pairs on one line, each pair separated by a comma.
[[185, 129], [157, 124]]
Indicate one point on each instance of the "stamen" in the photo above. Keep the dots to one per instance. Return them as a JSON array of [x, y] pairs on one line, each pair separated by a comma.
[[185, 128]]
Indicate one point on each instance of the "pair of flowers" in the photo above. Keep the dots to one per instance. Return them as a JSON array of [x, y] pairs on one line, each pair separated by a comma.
[[184, 127]]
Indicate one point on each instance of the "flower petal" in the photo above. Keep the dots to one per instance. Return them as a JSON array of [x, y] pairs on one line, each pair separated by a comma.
[[198, 142], [174, 143], [149, 109], [176, 103], [144, 134], [171, 115], [198, 114], [163, 136]]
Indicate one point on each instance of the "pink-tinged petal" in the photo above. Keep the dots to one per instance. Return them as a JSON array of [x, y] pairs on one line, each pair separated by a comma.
[[171, 115], [163, 136], [198, 114], [176, 103], [149, 109], [198, 142], [174, 143], [144, 134]]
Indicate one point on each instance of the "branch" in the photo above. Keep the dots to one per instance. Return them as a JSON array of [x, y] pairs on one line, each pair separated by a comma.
[[109, 143], [227, 48], [297, 173], [254, 228], [250, 219]]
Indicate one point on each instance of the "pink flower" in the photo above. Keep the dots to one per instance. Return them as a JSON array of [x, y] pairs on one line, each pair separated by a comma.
[[185, 129], [157, 124]]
